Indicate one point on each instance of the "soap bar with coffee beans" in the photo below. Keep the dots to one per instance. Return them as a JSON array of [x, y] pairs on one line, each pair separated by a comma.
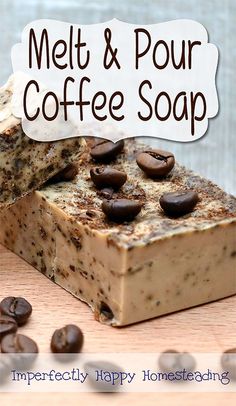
[[26, 164], [128, 271]]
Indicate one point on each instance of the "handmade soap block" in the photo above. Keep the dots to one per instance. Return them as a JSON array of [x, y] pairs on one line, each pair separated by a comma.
[[26, 164], [137, 270]]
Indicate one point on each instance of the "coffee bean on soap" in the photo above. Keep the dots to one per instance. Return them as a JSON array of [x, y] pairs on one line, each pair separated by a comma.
[[228, 362], [66, 174], [171, 361], [7, 325], [18, 343], [108, 177], [155, 163], [120, 210], [179, 203], [68, 339], [104, 150], [17, 307]]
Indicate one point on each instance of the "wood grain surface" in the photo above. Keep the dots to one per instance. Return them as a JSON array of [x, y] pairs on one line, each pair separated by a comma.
[[207, 328]]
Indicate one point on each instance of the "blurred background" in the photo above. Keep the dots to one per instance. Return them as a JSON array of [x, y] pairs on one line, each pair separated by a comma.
[[214, 155]]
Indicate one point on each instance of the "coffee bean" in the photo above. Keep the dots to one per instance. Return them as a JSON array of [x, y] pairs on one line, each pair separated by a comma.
[[104, 150], [18, 343], [7, 325], [186, 361], [228, 362], [155, 163], [171, 361], [168, 360], [68, 339], [91, 367], [21, 349], [179, 203], [108, 177], [17, 307], [66, 174], [120, 210], [6, 366]]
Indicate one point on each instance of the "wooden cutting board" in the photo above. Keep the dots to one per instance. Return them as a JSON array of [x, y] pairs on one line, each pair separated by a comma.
[[207, 328]]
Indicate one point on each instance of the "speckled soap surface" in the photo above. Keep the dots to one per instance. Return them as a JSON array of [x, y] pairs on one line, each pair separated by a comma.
[[26, 164], [137, 270], [82, 200]]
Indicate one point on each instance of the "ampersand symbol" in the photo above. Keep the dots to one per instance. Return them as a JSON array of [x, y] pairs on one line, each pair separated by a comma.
[[109, 49]]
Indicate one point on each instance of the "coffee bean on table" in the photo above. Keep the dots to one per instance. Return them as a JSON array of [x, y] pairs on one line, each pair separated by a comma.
[[186, 361], [91, 367], [228, 362], [66, 174], [18, 344], [155, 163], [171, 361], [108, 177], [6, 366], [68, 339], [17, 307], [21, 349], [105, 150], [120, 210], [179, 203], [168, 360], [7, 325]]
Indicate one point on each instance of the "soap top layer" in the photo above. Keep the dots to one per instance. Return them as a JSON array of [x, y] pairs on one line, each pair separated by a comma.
[[81, 200]]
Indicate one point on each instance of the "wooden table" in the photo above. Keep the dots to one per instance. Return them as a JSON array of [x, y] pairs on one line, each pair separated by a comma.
[[208, 328]]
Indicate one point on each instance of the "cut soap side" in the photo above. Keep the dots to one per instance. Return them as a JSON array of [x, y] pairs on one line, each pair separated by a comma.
[[26, 164]]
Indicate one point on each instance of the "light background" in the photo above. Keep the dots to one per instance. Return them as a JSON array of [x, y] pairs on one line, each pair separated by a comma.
[[214, 155]]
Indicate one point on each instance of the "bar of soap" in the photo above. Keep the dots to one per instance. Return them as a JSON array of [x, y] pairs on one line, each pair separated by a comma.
[[133, 271], [26, 164]]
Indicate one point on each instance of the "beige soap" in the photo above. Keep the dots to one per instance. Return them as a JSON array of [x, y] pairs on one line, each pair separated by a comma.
[[133, 271], [26, 164]]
